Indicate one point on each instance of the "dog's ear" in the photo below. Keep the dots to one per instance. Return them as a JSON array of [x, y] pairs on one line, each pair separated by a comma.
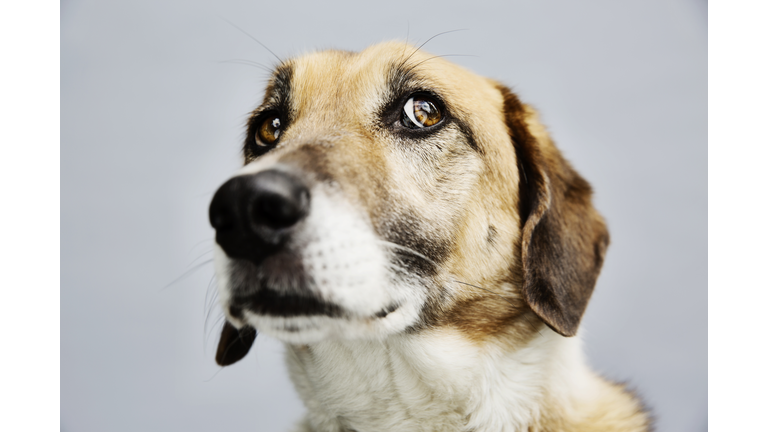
[[234, 344], [564, 239]]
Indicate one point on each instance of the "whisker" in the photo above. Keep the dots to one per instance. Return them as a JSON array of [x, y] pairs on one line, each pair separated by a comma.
[[221, 368], [407, 35], [248, 63], [257, 41], [194, 246], [210, 308], [205, 194], [438, 56], [407, 249], [210, 331], [208, 292], [427, 41], [486, 289], [208, 305], [200, 256], [187, 273]]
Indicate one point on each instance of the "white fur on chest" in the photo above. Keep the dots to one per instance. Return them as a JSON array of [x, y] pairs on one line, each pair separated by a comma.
[[433, 381]]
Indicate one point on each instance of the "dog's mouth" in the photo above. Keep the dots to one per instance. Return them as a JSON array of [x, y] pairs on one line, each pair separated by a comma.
[[295, 314], [283, 286], [268, 302]]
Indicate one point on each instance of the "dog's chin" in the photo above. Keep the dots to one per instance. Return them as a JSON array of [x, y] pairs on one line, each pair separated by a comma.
[[306, 318], [308, 329]]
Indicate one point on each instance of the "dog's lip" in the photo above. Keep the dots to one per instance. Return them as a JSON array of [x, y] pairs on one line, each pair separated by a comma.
[[386, 311], [269, 302]]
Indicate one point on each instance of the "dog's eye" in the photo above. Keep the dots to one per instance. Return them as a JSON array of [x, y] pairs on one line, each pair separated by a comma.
[[269, 131], [420, 112]]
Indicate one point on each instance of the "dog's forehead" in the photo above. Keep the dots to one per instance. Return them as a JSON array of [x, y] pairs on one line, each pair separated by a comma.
[[352, 81]]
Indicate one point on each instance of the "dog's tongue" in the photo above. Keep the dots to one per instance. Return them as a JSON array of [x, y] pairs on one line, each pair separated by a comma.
[[234, 344]]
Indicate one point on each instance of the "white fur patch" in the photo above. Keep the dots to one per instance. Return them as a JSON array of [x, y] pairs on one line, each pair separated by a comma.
[[342, 254], [434, 381]]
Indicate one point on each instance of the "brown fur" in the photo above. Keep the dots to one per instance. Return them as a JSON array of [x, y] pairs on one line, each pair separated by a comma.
[[564, 238]]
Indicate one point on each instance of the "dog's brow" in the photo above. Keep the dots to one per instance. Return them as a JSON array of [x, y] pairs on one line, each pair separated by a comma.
[[401, 78], [280, 86]]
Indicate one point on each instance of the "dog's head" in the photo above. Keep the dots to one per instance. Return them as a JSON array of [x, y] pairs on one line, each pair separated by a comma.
[[391, 191]]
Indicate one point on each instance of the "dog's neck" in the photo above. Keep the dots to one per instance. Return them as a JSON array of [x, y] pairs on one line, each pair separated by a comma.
[[438, 380]]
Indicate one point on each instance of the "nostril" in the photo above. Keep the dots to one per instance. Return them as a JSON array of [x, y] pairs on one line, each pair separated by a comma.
[[279, 211]]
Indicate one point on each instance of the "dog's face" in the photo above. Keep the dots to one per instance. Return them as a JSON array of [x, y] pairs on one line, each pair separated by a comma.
[[391, 191]]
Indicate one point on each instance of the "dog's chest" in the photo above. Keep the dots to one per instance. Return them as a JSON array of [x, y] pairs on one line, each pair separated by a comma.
[[417, 383], [394, 385]]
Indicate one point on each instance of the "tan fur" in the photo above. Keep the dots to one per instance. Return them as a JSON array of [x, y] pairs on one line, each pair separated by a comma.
[[613, 409], [502, 277]]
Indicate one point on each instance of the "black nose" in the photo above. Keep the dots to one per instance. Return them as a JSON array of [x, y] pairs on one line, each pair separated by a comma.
[[253, 214]]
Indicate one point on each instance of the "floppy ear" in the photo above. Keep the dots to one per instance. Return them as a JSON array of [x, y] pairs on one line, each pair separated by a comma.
[[234, 344], [564, 239]]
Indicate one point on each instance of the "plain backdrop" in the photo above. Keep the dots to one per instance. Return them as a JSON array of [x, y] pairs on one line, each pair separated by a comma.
[[154, 96]]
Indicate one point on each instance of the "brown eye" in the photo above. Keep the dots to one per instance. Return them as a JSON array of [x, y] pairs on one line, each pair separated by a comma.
[[269, 131], [421, 112]]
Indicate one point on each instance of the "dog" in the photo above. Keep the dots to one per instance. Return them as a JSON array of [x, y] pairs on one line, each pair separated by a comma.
[[412, 234]]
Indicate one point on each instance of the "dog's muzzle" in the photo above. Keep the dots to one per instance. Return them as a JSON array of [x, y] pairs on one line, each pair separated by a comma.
[[254, 214], [298, 261]]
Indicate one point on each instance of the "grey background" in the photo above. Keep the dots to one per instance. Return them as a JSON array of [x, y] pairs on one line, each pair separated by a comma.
[[152, 121]]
